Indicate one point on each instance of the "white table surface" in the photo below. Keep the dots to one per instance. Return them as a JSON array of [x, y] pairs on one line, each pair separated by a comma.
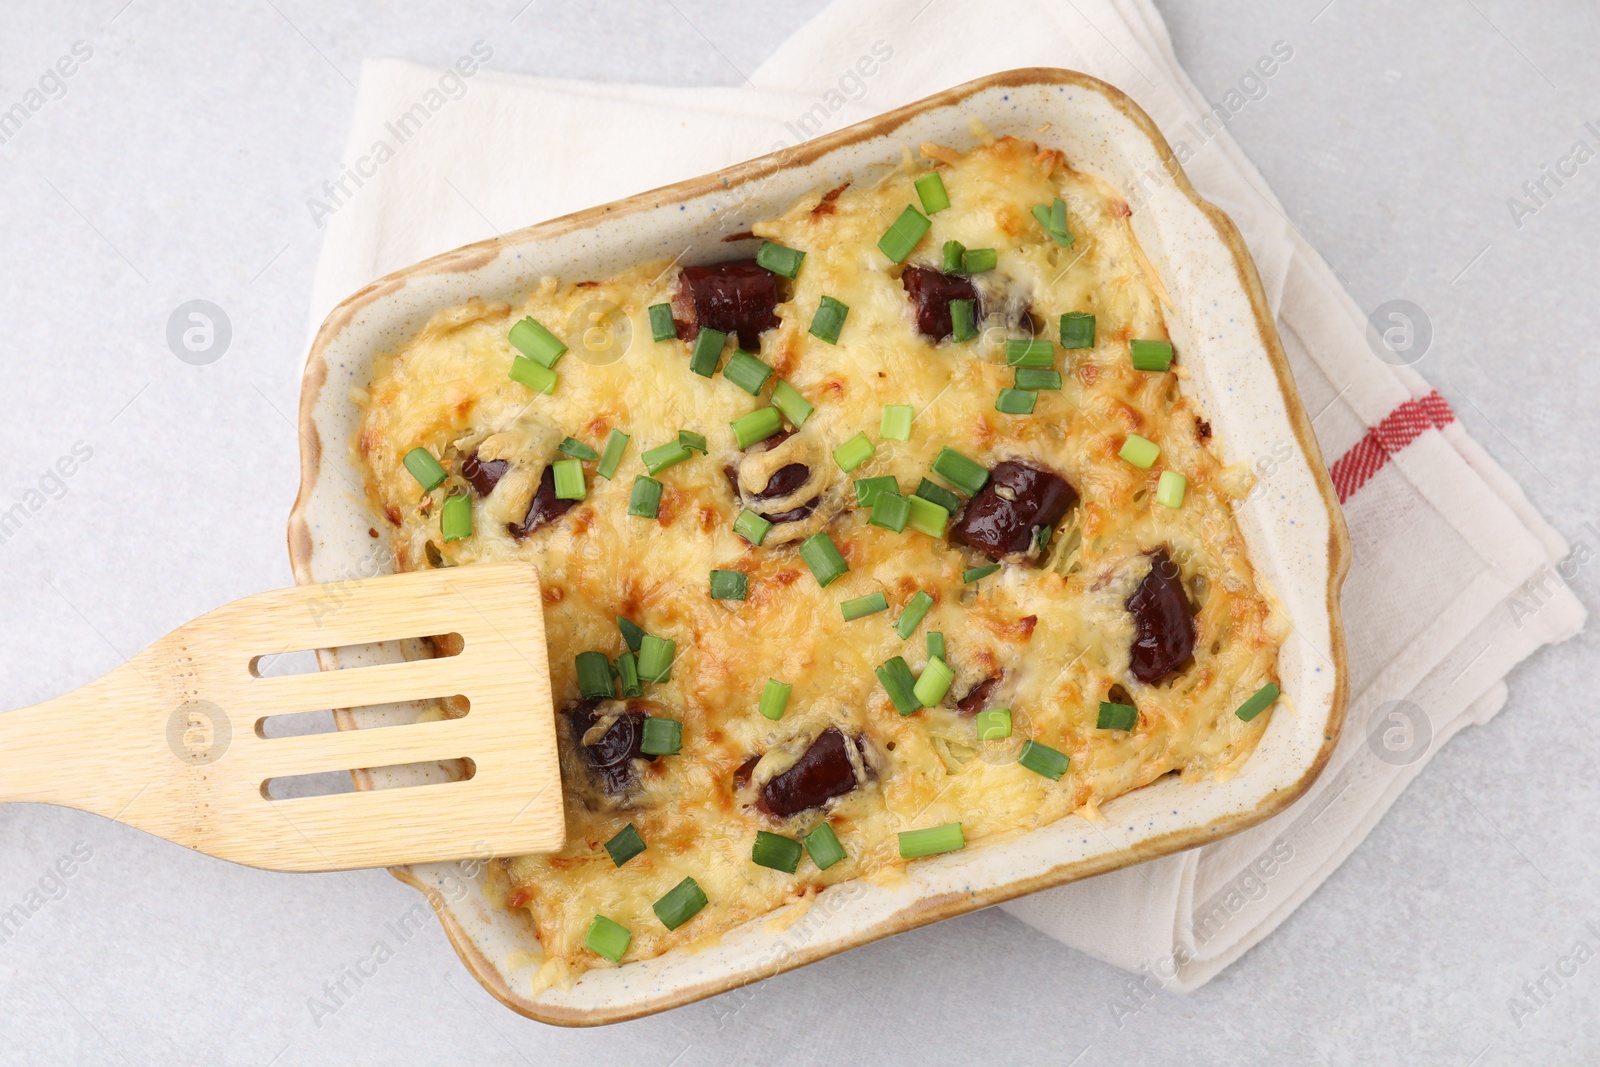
[[176, 166]]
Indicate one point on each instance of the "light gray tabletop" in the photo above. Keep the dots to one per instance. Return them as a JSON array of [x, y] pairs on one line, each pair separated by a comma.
[[175, 163]]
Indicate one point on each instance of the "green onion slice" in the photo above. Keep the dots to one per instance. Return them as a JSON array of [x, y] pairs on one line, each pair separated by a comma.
[[896, 422], [829, 319], [751, 527], [747, 372], [611, 455], [931, 191], [655, 658], [1170, 489], [1263, 699], [707, 351], [1042, 759], [625, 845], [787, 399], [1054, 220], [853, 453], [934, 683], [729, 585], [661, 457], [594, 676], [662, 328], [932, 841], [978, 260], [953, 251], [780, 259], [645, 500], [1077, 330], [863, 606], [911, 616], [569, 479], [890, 511], [823, 846], [927, 517], [965, 474], [1030, 352], [607, 938], [774, 699], [525, 371], [1116, 716], [823, 558], [455, 518], [1140, 452], [972, 574], [1150, 355], [661, 737], [1016, 401], [899, 683], [963, 323], [1038, 378], [757, 425], [424, 468], [632, 632], [775, 851], [694, 442], [628, 671], [869, 489], [938, 494], [936, 645], [537, 343], [571, 446], [993, 724], [682, 903], [902, 237]]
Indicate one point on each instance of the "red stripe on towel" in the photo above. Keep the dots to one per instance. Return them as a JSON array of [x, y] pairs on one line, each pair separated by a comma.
[[1399, 428]]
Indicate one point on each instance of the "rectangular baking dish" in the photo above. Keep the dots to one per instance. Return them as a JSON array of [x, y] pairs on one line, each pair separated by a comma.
[[1218, 319]]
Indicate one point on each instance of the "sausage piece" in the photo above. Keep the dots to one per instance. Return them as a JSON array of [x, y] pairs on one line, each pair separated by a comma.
[[609, 758], [485, 474], [931, 293], [1164, 632], [737, 297], [1003, 520], [823, 772], [544, 507]]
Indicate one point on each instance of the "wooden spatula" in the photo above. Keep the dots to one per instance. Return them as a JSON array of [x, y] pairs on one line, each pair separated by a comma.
[[171, 741]]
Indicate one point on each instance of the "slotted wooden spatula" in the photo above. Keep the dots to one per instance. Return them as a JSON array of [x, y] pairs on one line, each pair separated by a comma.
[[171, 741]]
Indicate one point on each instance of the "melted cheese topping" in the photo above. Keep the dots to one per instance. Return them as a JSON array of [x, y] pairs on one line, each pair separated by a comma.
[[1058, 636]]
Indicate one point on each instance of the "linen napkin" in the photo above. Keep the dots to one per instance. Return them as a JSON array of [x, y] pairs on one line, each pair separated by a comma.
[[1455, 575]]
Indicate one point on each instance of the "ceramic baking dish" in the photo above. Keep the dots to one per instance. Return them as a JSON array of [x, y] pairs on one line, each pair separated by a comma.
[[1217, 318]]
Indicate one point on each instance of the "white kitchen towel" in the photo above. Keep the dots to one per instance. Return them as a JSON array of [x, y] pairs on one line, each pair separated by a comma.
[[1455, 579]]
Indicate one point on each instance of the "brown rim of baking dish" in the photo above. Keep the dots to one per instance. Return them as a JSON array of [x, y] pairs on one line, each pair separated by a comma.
[[945, 905]]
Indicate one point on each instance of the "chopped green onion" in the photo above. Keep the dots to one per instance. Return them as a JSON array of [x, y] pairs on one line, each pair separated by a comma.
[[936, 645], [660, 737], [661, 457], [455, 518], [787, 399], [757, 425], [911, 616], [611, 454], [932, 841], [1054, 221], [628, 669], [645, 500], [729, 585], [655, 658], [869, 489], [934, 683], [963, 320], [972, 574], [994, 724], [625, 845], [707, 351], [820, 554], [1261, 701], [1038, 378], [931, 191], [594, 676], [829, 320], [891, 511], [1041, 537], [899, 683], [1030, 352], [896, 422], [607, 938], [774, 698], [682, 903], [1170, 489], [575, 448], [978, 260], [1016, 401], [938, 494], [1140, 452], [694, 442], [903, 236], [662, 328], [863, 606], [424, 468], [1077, 330], [927, 517], [965, 474], [823, 845], [775, 851], [1116, 716], [569, 479], [747, 372], [780, 259], [631, 631], [751, 527], [537, 343], [953, 251], [1150, 355], [525, 371], [1042, 759], [853, 453]]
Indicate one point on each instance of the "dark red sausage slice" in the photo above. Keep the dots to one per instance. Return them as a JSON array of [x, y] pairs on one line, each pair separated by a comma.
[[1164, 623], [785, 480], [543, 508], [822, 773], [978, 696], [931, 293], [739, 296], [485, 474], [1003, 519], [610, 759]]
